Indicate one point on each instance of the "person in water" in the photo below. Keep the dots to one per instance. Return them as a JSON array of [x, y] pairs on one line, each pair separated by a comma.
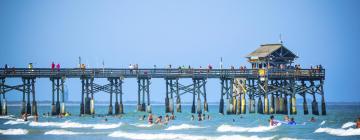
[[292, 121], [150, 118], [272, 122], [158, 120], [208, 117], [286, 118], [172, 117], [312, 119], [358, 123], [167, 118]]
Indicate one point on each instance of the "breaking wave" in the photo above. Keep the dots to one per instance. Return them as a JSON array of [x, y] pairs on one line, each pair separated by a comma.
[[229, 128], [18, 121], [144, 136], [9, 117], [322, 123], [183, 126], [14, 132], [348, 124], [68, 124], [61, 132], [339, 131]]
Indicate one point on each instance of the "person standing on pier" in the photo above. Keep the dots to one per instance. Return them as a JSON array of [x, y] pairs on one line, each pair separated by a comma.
[[52, 67], [58, 67]]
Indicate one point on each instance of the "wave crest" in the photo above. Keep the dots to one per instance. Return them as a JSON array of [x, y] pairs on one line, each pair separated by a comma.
[[61, 132], [339, 131], [68, 124], [14, 132], [348, 124], [144, 136], [229, 128], [183, 126]]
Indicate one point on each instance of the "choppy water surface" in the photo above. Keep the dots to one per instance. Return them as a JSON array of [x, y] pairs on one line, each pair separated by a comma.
[[338, 124]]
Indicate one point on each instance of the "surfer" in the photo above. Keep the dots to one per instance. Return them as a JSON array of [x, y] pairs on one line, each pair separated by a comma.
[[358, 123]]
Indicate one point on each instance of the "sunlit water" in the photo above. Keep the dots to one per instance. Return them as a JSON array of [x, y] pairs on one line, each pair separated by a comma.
[[338, 124]]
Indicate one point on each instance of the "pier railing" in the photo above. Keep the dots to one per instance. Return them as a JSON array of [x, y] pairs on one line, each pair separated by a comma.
[[162, 73]]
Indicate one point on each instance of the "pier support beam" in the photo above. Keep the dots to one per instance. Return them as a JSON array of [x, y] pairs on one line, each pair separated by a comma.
[[28, 107], [3, 103], [293, 98], [57, 104], [260, 106], [34, 104], [314, 104], [62, 111], [323, 107], [143, 87], [92, 100], [303, 85], [82, 105], [121, 106], [23, 103], [110, 111], [221, 105], [251, 96], [116, 97]]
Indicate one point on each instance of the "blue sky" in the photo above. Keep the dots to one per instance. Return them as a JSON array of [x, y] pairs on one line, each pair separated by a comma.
[[179, 32]]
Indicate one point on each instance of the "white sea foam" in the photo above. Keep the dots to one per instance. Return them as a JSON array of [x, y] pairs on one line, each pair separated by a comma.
[[229, 128], [183, 126], [68, 124], [348, 124], [322, 123], [165, 136], [14, 132], [9, 117], [143, 125], [61, 132], [106, 126], [339, 131], [18, 121]]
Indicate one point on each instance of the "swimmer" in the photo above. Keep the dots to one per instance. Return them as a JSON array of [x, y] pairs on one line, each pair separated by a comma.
[[141, 118], [358, 123], [292, 122], [172, 117], [286, 118], [208, 117], [312, 119], [150, 118], [158, 120], [272, 122], [199, 117], [167, 118]]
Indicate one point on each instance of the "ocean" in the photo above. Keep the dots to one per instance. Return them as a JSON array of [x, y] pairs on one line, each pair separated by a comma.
[[337, 124]]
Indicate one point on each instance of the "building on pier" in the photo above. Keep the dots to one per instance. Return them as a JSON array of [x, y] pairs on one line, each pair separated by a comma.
[[274, 55]]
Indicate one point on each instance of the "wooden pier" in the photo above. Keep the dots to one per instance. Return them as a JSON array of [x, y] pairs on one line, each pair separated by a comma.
[[272, 83]]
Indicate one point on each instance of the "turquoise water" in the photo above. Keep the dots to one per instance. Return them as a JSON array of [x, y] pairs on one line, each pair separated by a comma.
[[251, 126]]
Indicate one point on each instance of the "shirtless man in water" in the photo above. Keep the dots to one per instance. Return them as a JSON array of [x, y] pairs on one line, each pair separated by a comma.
[[358, 123]]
